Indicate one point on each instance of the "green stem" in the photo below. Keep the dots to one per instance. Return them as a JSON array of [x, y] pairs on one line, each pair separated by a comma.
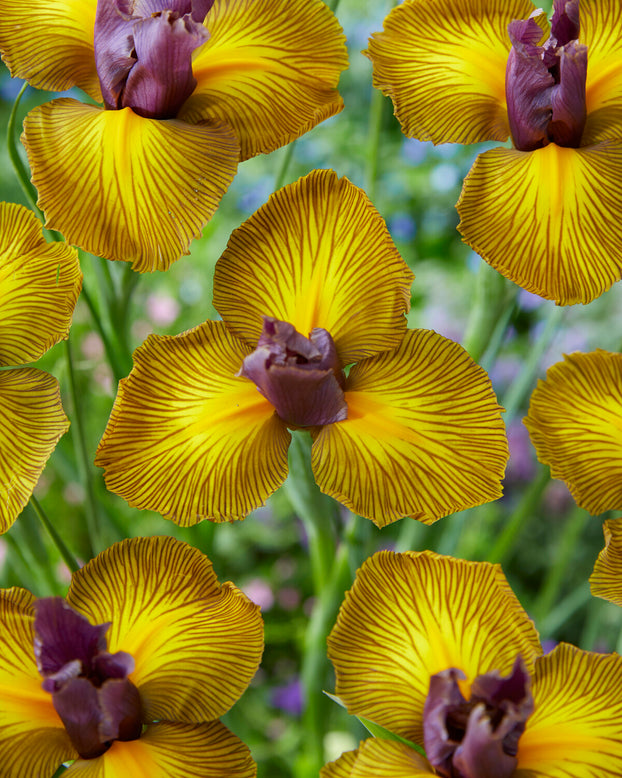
[[565, 610], [494, 302], [18, 166], [524, 512], [285, 163], [118, 370], [84, 461], [374, 133], [66, 554]]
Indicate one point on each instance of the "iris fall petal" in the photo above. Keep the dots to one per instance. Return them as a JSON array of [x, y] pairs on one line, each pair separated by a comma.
[[32, 421], [125, 187], [575, 424], [39, 286], [309, 256], [409, 616], [550, 220], [187, 437], [606, 579], [442, 62], [423, 437], [270, 70]]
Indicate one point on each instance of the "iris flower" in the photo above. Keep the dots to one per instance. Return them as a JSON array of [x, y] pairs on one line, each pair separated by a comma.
[[308, 285], [130, 673], [546, 211], [575, 424], [39, 287], [606, 580], [439, 652], [189, 87]]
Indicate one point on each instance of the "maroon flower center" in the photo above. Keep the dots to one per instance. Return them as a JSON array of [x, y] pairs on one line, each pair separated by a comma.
[[545, 85], [143, 53], [301, 377], [90, 689], [478, 737]]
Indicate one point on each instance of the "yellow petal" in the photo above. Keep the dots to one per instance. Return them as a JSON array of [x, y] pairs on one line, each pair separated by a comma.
[[550, 220], [125, 187], [31, 423], [196, 643], [39, 286], [49, 43], [269, 69], [187, 437], [33, 740], [423, 437], [172, 750], [606, 580], [379, 758], [317, 254], [340, 768], [409, 616], [576, 728], [442, 63], [601, 22], [575, 424]]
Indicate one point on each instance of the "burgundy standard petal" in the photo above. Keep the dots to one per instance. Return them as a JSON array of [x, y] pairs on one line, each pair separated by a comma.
[[90, 690], [476, 738], [300, 376], [143, 53], [545, 85]]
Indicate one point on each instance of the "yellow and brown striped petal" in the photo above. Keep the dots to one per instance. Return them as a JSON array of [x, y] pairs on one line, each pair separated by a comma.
[[124, 187], [576, 727], [317, 254], [196, 643], [575, 424], [442, 63], [423, 437], [378, 758], [187, 437], [32, 421], [409, 616], [606, 579], [601, 22], [33, 740], [49, 43], [342, 767], [550, 220], [39, 286], [172, 750], [269, 69]]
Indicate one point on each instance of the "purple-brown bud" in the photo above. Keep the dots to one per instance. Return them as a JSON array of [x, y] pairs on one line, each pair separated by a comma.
[[301, 377], [545, 85], [478, 737], [90, 689], [143, 53]]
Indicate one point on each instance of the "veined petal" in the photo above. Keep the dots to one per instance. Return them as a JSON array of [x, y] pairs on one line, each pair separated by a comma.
[[606, 580], [32, 421], [196, 644], [270, 70], [39, 286], [189, 438], [172, 750], [576, 728], [442, 63], [340, 768], [601, 21], [49, 43], [575, 424], [550, 220], [409, 616], [317, 254], [378, 758], [125, 187], [33, 740], [423, 437]]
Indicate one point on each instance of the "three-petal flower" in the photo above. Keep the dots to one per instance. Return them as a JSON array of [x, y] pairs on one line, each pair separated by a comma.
[[191, 437], [193, 87], [169, 630], [546, 217], [39, 287], [431, 648]]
